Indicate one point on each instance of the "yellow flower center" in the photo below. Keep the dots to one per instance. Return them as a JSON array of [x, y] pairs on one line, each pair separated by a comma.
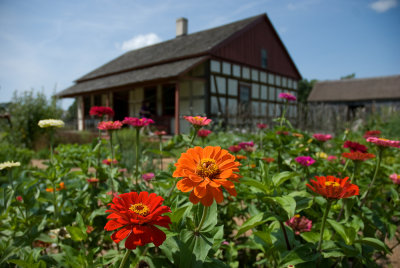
[[332, 183], [207, 168], [297, 216], [140, 209]]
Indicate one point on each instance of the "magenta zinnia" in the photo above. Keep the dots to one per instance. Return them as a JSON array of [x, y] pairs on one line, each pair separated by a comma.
[[395, 178], [137, 216], [287, 96], [322, 137], [203, 133], [261, 126], [305, 160], [137, 122]]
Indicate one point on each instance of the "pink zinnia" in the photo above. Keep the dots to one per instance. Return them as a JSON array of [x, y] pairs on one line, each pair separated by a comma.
[[331, 158], [203, 133], [101, 111], [261, 126], [395, 178], [305, 160], [287, 96], [108, 161], [234, 148], [372, 133], [355, 146], [247, 146], [299, 224], [148, 176], [322, 137], [198, 121], [384, 142], [137, 122], [109, 125]]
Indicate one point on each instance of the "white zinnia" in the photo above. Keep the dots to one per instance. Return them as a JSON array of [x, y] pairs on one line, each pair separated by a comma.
[[9, 164], [50, 123]]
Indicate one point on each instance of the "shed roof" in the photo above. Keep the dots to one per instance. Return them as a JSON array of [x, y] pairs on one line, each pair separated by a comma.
[[364, 89]]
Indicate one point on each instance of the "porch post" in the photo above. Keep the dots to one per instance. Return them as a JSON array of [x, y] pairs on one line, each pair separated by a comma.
[[177, 128]]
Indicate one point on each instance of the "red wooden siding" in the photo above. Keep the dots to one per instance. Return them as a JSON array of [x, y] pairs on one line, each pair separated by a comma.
[[246, 48]]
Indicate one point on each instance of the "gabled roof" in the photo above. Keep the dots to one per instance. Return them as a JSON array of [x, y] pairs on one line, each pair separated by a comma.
[[177, 48], [365, 89]]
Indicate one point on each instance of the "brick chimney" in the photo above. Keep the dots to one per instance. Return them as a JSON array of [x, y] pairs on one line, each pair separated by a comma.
[[181, 27]]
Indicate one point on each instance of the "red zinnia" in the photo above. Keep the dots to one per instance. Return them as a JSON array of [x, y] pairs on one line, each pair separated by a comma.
[[110, 161], [358, 156], [261, 126], [101, 111], [136, 215], [234, 148], [203, 133], [355, 146], [372, 133], [333, 188]]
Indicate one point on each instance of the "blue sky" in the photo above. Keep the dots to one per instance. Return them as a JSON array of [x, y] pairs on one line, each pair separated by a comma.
[[45, 45]]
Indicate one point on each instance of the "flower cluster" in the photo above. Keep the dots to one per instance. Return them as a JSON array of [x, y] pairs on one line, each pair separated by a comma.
[[333, 188], [203, 133], [9, 164], [287, 96], [136, 216], [358, 156], [101, 111], [204, 171], [50, 123], [137, 122], [322, 137], [384, 142], [198, 121], [299, 224], [109, 125], [305, 160]]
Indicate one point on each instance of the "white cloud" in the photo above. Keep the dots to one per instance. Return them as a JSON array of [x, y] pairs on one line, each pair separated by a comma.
[[139, 41], [381, 6]]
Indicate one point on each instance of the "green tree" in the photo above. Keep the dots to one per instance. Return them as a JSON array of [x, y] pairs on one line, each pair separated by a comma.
[[304, 88], [26, 109]]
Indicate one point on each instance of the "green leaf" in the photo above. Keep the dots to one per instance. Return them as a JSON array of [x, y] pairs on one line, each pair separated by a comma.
[[251, 223], [256, 184], [21, 263], [211, 219], [373, 242], [196, 247], [298, 255], [280, 178], [76, 233], [287, 203], [347, 233], [79, 221], [177, 215]]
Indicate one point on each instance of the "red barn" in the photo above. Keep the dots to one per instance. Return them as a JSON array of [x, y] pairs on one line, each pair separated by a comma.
[[232, 73]]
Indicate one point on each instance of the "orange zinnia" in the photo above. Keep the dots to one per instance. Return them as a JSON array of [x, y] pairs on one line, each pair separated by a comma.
[[204, 171], [333, 188]]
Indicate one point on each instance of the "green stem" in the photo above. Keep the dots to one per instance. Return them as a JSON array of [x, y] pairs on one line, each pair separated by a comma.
[[203, 219], [355, 169], [137, 155], [346, 164], [285, 235], [194, 135], [378, 164], [321, 235], [283, 114], [112, 160], [126, 257], [98, 152], [55, 202], [51, 145], [161, 149]]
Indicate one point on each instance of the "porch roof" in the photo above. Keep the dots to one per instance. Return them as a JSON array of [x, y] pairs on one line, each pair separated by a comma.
[[162, 71]]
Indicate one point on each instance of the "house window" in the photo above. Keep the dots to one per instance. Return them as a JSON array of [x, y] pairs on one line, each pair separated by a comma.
[[246, 73], [236, 70], [226, 68], [264, 58], [168, 99], [244, 98], [215, 66]]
